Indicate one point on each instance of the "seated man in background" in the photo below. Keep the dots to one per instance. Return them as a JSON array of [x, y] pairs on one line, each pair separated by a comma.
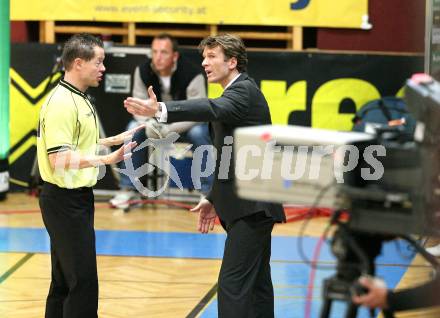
[[172, 78]]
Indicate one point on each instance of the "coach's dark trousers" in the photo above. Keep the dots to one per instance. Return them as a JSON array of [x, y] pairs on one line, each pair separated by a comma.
[[245, 286], [68, 215]]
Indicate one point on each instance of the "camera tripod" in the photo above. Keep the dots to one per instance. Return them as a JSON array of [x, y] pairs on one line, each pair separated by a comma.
[[355, 253]]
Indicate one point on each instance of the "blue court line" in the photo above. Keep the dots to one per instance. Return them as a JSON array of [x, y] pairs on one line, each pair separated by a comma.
[[290, 275], [122, 243], [170, 244]]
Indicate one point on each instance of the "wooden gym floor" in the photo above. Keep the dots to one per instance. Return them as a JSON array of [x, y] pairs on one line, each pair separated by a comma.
[[152, 263]]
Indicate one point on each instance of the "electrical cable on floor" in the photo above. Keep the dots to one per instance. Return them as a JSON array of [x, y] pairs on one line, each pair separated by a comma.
[[312, 211]]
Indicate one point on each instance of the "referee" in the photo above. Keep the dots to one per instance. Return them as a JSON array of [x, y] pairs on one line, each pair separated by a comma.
[[67, 142]]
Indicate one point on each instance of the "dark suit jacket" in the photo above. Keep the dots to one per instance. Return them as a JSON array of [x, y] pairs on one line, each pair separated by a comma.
[[241, 104]]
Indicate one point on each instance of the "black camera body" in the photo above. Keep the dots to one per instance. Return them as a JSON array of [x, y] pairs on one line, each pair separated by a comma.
[[406, 199]]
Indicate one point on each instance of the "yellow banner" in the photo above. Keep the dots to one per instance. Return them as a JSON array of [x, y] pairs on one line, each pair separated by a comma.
[[322, 13]]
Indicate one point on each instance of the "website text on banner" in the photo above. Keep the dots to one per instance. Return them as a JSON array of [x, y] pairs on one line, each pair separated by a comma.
[[323, 13]]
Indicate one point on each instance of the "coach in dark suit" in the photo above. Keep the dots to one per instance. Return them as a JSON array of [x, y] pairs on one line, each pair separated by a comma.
[[245, 286]]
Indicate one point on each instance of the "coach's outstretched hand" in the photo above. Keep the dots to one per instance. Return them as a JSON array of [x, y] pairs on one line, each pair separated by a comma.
[[143, 107]]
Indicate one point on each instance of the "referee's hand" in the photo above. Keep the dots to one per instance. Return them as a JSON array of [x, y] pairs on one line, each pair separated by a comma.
[[124, 152], [121, 138]]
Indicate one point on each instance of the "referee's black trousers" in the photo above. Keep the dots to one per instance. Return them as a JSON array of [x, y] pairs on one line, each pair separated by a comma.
[[245, 286], [68, 215]]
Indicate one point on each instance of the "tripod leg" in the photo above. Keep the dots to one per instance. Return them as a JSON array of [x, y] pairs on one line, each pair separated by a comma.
[[326, 308], [352, 310]]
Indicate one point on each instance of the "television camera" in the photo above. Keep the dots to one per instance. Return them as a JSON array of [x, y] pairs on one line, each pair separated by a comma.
[[387, 182]]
